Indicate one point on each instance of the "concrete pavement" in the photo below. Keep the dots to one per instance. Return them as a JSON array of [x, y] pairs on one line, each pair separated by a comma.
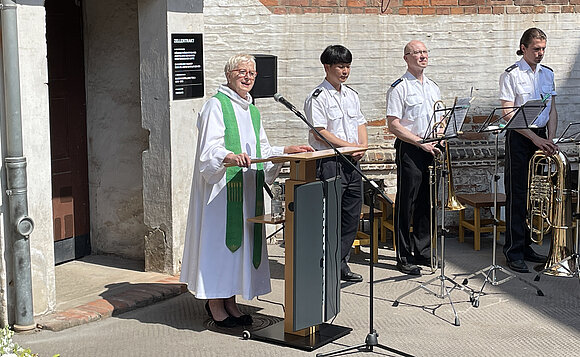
[[511, 320]]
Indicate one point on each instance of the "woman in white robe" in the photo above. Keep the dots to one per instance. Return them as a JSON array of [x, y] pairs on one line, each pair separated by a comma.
[[211, 270]]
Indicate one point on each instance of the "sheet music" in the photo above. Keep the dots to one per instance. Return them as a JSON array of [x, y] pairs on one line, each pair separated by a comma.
[[458, 116], [455, 117], [526, 115], [570, 134]]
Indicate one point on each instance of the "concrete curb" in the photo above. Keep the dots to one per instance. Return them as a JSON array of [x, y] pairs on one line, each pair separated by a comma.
[[133, 298]]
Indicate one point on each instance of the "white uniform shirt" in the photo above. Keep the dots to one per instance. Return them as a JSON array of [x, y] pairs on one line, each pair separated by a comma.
[[412, 102], [337, 112], [518, 84]]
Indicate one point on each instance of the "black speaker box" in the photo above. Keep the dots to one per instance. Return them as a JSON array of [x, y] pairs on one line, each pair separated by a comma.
[[266, 84]]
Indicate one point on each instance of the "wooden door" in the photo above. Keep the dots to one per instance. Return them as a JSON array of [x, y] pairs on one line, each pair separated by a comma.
[[68, 129]]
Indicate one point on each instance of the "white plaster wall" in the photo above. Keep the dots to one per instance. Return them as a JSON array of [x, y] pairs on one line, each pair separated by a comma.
[[183, 137], [466, 51], [156, 119], [116, 138], [168, 161]]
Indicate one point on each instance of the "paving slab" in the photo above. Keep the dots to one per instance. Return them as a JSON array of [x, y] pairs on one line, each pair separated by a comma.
[[511, 319]]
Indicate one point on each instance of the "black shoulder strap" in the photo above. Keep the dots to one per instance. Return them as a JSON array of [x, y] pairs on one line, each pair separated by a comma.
[[395, 83], [317, 92], [510, 68], [546, 67]]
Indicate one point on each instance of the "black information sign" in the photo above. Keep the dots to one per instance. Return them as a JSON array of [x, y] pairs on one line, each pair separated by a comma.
[[187, 53]]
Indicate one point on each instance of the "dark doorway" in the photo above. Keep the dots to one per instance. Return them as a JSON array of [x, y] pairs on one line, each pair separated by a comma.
[[68, 129]]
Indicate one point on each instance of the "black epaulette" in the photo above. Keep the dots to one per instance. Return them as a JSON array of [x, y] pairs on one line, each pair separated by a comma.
[[317, 92], [349, 87], [546, 67], [396, 82], [434, 82], [510, 68]]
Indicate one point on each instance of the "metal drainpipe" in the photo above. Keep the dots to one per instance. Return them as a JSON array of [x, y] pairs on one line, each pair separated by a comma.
[[20, 224]]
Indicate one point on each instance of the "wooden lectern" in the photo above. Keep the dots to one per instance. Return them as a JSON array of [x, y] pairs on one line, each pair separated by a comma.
[[299, 258]]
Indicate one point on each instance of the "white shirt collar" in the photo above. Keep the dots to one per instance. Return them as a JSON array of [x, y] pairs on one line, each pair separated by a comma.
[[235, 97], [411, 77], [524, 66], [326, 84]]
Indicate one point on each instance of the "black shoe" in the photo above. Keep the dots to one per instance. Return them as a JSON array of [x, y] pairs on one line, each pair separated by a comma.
[[532, 256], [351, 277], [227, 322], [426, 261], [518, 265], [410, 269], [244, 320]]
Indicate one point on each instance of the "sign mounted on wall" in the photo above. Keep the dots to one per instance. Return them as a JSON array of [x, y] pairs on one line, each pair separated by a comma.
[[187, 54]]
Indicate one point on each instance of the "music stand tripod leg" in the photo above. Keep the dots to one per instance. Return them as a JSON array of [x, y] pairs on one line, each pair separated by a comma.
[[444, 290], [421, 286], [491, 269]]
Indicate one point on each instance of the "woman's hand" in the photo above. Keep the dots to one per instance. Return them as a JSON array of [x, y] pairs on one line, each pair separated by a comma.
[[241, 160], [292, 149]]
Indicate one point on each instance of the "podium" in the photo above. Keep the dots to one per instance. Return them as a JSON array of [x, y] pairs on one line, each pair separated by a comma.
[[312, 255]]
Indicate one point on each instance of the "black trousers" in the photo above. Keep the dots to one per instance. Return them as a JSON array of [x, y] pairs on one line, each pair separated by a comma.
[[412, 205], [351, 202], [518, 152]]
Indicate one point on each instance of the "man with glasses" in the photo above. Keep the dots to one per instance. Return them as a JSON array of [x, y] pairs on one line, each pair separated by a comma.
[[525, 80], [333, 108], [410, 101]]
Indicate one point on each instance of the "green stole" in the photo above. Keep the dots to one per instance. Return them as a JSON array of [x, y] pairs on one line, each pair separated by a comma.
[[235, 181]]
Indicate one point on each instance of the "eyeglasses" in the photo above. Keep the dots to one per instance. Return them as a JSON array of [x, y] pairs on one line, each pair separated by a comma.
[[245, 72], [419, 52]]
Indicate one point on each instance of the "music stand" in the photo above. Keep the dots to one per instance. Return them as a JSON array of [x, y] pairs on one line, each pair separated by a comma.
[[570, 265], [495, 124], [456, 116]]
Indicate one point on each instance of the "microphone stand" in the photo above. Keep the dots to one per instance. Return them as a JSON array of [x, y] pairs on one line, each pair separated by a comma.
[[371, 339]]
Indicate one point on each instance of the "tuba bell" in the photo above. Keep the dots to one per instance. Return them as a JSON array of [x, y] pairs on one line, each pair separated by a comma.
[[549, 205]]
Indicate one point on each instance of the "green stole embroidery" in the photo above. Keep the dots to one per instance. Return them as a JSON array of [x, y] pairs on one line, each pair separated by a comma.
[[235, 182]]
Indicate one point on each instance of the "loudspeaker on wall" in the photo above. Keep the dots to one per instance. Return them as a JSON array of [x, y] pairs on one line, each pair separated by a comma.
[[266, 84]]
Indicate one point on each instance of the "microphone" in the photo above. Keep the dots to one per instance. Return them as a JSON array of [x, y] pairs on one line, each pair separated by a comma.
[[278, 97]]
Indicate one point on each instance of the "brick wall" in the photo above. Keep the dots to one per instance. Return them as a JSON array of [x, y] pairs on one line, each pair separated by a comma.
[[468, 54], [422, 7]]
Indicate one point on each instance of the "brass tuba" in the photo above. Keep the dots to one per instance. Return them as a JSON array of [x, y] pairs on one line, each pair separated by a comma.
[[549, 205]]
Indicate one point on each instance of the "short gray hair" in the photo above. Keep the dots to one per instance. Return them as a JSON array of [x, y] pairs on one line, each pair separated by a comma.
[[235, 60]]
